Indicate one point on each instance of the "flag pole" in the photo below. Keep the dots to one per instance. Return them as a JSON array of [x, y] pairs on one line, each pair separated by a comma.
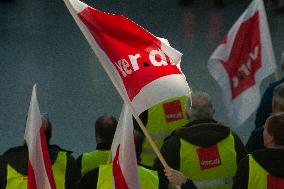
[[116, 85], [150, 140], [148, 136]]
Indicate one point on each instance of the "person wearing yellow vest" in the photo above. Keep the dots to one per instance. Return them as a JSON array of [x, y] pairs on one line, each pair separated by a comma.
[[101, 177], [105, 127], [203, 150], [14, 165], [264, 169], [160, 120]]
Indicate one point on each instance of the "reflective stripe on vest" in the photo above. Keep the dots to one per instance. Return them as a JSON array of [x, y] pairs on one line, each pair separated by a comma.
[[16, 180], [93, 160], [212, 167], [148, 178], [261, 179], [163, 118]]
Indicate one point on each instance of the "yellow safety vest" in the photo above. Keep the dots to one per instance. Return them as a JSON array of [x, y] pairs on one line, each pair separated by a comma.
[[92, 160], [212, 167], [163, 118], [16, 180], [259, 178], [148, 178]]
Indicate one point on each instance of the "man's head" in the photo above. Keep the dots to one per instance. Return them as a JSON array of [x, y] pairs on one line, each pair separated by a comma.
[[273, 134], [278, 98], [200, 106], [105, 127], [47, 127]]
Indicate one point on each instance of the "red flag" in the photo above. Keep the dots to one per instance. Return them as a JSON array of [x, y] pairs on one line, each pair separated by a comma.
[[124, 155], [242, 60], [143, 69], [40, 174]]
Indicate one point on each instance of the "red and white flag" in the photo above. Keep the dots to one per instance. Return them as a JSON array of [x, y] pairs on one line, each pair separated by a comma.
[[124, 160], [142, 68], [242, 60], [40, 174]]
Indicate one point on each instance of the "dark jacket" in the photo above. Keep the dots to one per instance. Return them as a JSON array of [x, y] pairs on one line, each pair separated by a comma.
[[265, 106], [272, 160], [202, 133], [89, 180], [255, 141], [17, 158]]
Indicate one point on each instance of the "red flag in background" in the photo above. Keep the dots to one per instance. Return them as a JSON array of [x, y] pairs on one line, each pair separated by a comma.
[[243, 59], [143, 69], [40, 174]]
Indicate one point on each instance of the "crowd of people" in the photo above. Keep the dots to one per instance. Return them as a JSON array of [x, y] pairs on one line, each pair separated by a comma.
[[201, 152]]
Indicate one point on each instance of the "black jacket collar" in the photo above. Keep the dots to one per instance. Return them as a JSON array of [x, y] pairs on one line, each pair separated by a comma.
[[203, 133], [272, 160], [103, 146]]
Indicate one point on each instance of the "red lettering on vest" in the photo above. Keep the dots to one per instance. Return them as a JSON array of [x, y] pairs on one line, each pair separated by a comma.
[[208, 157], [274, 182], [245, 56], [173, 111]]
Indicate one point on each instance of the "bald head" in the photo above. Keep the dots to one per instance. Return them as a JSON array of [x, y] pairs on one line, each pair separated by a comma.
[[201, 106], [105, 128]]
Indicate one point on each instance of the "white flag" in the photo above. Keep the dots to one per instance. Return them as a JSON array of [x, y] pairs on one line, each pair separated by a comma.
[[40, 174], [242, 60], [124, 161]]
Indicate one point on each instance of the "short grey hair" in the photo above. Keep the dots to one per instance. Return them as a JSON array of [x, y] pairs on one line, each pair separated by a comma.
[[200, 106], [278, 96]]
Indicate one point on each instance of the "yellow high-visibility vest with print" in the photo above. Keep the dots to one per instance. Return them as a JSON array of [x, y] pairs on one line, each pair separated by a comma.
[[212, 167], [148, 178], [163, 118], [92, 160], [259, 177], [16, 180]]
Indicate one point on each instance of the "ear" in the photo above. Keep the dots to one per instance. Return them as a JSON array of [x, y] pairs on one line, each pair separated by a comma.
[[271, 140]]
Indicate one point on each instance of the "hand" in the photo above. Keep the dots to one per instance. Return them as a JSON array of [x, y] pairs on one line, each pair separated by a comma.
[[175, 176]]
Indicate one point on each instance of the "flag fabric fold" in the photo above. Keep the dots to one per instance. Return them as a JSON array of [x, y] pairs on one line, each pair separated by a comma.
[[40, 174], [243, 59], [143, 68], [124, 162]]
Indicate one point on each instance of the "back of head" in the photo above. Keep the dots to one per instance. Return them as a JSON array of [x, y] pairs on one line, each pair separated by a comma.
[[278, 98], [200, 106], [105, 127], [47, 127], [275, 127]]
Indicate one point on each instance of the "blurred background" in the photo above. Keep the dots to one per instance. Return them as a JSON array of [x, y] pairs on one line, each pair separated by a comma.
[[40, 43]]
